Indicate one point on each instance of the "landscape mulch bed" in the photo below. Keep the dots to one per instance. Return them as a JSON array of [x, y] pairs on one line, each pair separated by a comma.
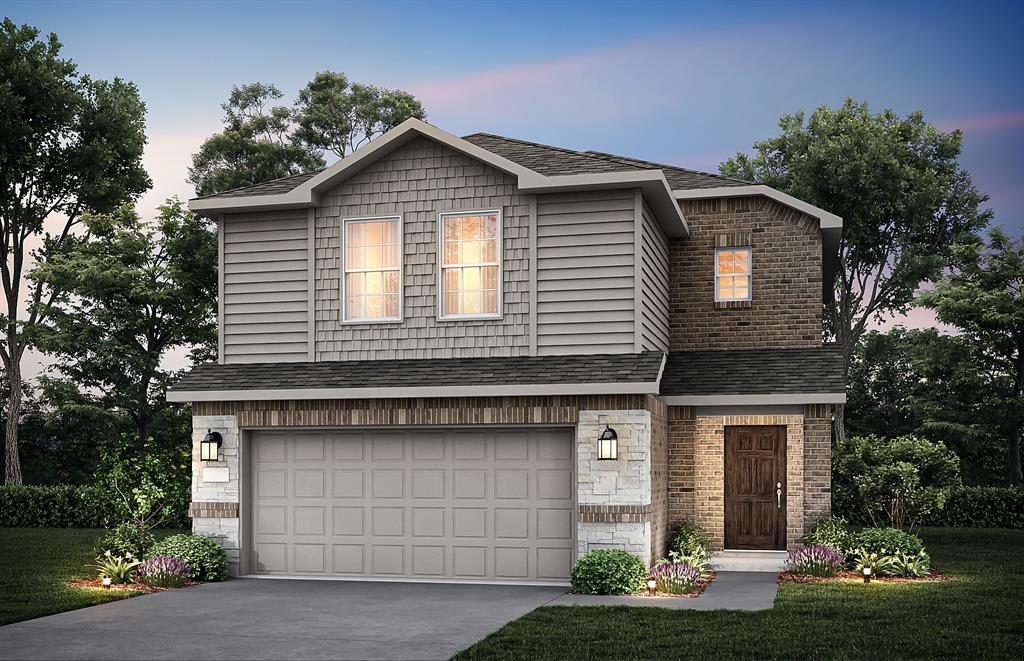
[[790, 577], [124, 587], [701, 585]]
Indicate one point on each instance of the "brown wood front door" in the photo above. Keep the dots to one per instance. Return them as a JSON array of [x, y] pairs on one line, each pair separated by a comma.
[[755, 487]]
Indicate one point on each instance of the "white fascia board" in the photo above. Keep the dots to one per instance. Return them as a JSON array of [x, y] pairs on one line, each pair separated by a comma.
[[753, 400], [826, 219], [655, 187], [644, 388]]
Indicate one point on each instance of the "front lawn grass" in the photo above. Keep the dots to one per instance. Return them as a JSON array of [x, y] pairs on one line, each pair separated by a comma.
[[35, 563], [977, 614]]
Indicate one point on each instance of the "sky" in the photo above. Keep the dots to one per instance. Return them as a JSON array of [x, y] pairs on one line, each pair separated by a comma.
[[685, 83]]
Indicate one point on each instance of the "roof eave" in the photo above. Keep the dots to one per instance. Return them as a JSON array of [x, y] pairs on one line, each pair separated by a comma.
[[755, 400], [505, 390], [826, 219]]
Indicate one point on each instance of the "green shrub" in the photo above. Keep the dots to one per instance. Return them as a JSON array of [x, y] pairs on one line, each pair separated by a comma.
[[689, 545], [118, 569], [911, 565], [981, 507], [831, 531], [609, 571], [205, 558], [52, 506], [124, 539], [896, 482], [887, 541]]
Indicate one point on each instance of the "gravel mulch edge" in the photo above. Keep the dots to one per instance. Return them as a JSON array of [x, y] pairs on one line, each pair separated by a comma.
[[843, 576], [95, 583]]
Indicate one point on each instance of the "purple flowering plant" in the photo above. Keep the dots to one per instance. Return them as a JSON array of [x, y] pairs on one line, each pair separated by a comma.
[[675, 578], [163, 572], [815, 560]]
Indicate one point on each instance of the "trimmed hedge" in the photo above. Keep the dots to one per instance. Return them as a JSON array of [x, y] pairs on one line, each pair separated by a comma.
[[51, 506], [981, 507]]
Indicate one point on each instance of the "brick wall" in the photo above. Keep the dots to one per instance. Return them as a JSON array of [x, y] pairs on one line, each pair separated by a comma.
[[659, 479], [785, 310], [417, 181], [817, 462], [696, 485]]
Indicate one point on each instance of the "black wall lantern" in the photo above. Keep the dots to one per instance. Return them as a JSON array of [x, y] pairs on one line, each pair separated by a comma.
[[608, 444], [209, 449]]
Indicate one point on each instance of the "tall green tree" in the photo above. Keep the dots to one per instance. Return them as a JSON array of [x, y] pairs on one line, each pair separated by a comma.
[[264, 140], [907, 205], [923, 383], [256, 145], [69, 144], [338, 116], [984, 298], [129, 293]]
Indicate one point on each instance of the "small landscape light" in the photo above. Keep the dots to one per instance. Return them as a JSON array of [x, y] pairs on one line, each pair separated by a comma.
[[209, 449], [651, 584], [106, 582], [867, 574], [608, 444]]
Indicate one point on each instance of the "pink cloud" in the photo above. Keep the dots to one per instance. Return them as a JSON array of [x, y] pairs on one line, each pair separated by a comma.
[[997, 121]]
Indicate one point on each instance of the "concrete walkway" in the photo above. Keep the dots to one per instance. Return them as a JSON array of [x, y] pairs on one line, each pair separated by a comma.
[[731, 590], [279, 619]]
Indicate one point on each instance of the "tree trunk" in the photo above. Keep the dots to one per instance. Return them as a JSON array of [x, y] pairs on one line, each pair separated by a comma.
[[12, 463], [840, 422], [1013, 446]]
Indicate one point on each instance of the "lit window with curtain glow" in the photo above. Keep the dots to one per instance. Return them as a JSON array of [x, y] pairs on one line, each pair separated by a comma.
[[373, 272], [470, 264], [732, 274]]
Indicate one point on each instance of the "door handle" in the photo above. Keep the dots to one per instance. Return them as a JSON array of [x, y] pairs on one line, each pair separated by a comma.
[[778, 495]]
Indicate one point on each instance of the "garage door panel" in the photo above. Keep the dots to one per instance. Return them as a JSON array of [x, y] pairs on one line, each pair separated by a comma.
[[388, 483], [348, 521], [348, 483], [480, 504]]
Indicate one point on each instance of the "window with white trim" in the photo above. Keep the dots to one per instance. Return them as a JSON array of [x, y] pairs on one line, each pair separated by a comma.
[[373, 269], [470, 265], [732, 274]]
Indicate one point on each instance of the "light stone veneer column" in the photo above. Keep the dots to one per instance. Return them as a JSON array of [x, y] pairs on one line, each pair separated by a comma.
[[208, 485], [603, 486]]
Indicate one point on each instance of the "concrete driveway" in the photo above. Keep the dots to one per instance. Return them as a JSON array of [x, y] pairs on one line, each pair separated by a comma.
[[279, 619]]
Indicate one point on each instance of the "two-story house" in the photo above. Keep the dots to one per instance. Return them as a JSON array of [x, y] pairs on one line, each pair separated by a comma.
[[474, 359]]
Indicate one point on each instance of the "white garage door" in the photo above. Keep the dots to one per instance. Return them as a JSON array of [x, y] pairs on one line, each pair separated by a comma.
[[466, 505]]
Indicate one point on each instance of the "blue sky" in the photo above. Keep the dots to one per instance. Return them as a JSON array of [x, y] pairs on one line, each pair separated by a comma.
[[684, 83]]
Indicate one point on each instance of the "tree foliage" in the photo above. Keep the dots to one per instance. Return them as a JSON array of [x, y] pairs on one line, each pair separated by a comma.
[[338, 116], [256, 145], [924, 383], [130, 292], [69, 144], [984, 298], [264, 140], [894, 482], [908, 208]]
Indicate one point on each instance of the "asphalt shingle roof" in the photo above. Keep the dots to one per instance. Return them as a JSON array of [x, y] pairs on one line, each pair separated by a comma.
[[272, 187], [755, 372], [527, 370], [543, 159], [550, 161]]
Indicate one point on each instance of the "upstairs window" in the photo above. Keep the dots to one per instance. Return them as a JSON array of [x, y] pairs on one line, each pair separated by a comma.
[[470, 265], [373, 269], [732, 274]]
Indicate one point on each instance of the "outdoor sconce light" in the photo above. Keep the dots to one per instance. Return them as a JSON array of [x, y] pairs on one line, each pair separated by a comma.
[[867, 574], [106, 582], [209, 449], [651, 584], [608, 444]]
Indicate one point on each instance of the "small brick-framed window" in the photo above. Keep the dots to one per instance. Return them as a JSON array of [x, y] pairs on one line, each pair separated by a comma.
[[733, 274], [470, 259], [372, 281]]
